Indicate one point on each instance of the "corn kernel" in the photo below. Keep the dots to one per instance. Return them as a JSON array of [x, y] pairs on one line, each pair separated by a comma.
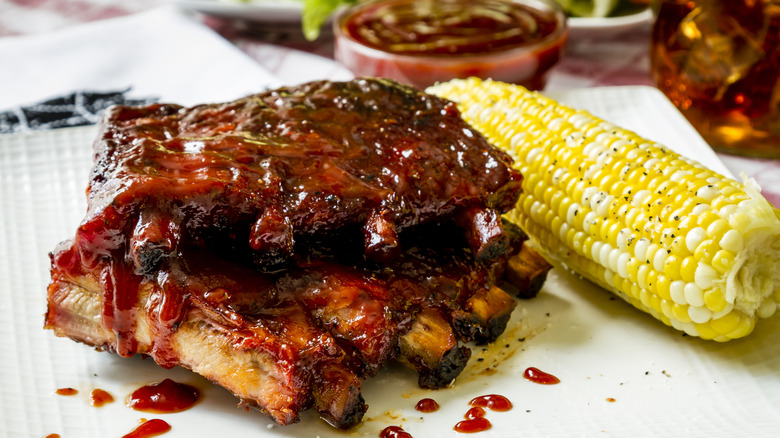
[[706, 250], [704, 331], [672, 267], [663, 285], [688, 269], [694, 295], [732, 241], [723, 260], [767, 309], [681, 312], [745, 326], [666, 308], [717, 229], [677, 292], [726, 324], [705, 275], [715, 300], [694, 237]]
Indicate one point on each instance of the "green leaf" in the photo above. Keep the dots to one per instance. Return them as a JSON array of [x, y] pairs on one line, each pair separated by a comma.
[[590, 8], [316, 13]]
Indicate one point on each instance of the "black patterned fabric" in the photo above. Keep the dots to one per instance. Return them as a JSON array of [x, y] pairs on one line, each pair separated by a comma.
[[75, 109]]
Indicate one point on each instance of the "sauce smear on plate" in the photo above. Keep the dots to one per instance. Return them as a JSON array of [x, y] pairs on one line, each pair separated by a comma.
[[149, 429], [67, 391], [538, 376], [99, 397], [164, 397]]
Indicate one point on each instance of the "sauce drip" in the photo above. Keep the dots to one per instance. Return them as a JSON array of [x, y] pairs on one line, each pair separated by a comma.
[[493, 402], [67, 391], [538, 376], [478, 424], [149, 429], [427, 405], [53, 435], [394, 432], [164, 397], [475, 420], [99, 397], [473, 413]]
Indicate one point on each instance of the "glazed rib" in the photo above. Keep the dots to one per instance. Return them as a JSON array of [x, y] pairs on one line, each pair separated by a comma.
[[260, 172]]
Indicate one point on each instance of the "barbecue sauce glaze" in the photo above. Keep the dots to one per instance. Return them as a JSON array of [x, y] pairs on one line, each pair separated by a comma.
[[325, 154]]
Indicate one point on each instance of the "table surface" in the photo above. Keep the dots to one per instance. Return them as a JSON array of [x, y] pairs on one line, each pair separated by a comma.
[[281, 49]]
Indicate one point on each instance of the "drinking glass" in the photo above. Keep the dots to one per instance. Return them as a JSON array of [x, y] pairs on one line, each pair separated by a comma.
[[718, 61]]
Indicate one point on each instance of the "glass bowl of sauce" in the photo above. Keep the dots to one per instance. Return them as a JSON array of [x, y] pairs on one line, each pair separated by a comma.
[[421, 42]]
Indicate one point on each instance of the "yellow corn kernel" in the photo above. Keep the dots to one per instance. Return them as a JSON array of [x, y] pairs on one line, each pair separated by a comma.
[[722, 261], [715, 300], [681, 313], [726, 324], [672, 267]]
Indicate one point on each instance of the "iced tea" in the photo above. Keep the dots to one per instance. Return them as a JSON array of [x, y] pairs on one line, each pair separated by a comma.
[[719, 62]]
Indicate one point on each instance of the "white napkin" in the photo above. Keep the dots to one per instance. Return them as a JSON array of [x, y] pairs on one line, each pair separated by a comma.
[[161, 53]]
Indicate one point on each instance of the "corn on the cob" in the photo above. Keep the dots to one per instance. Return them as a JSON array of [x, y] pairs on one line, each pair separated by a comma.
[[697, 250]]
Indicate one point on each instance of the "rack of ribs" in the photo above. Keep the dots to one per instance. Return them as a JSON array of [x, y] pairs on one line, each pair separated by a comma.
[[289, 244], [258, 173]]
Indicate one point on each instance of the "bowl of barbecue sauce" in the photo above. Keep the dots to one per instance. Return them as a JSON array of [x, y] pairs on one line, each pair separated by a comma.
[[421, 42]]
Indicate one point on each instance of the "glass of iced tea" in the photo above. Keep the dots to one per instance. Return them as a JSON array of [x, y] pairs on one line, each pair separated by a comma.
[[719, 62]]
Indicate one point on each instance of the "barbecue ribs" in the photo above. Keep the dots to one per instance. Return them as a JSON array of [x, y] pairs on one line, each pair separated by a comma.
[[289, 244], [258, 173]]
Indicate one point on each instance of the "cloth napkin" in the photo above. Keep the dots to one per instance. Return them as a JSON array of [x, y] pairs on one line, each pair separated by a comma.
[[159, 55]]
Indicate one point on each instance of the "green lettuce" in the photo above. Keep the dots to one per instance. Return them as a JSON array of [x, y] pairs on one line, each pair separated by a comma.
[[317, 12], [601, 8]]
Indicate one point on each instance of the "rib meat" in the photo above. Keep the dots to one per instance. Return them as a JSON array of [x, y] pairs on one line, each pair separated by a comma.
[[255, 174], [301, 338]]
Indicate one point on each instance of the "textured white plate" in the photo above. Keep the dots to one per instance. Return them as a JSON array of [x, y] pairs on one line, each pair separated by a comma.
[[262, 11], [597, 28], [663, 383]]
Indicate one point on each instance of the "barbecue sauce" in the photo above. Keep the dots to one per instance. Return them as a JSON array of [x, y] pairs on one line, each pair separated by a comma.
[[536, 375], [493, 402], [67, 391], [149, 429], [427, 405], [164, 397], [454, 27], [478, 424], [394, 432], [475, 420], [422, 42], [99, 397]]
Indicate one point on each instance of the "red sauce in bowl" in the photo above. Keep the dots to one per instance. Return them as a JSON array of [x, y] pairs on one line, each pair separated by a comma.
[[425, 41]]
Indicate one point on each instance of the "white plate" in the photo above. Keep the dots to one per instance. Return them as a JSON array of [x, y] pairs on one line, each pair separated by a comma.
[[603, 28], [262, 11], [663, 383]]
